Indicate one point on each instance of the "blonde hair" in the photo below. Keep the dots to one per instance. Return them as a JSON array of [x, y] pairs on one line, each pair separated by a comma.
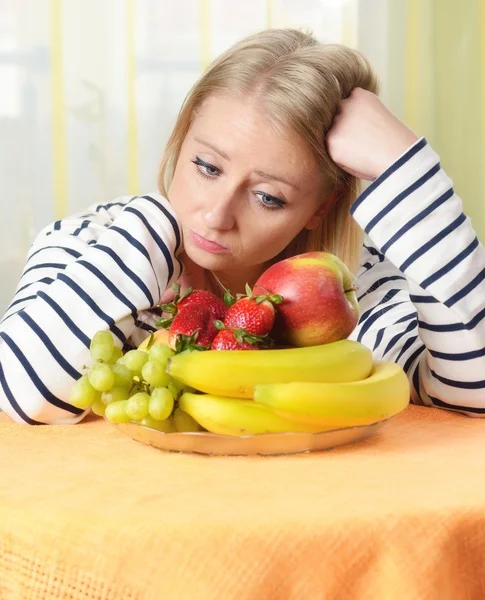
[[301, 82]]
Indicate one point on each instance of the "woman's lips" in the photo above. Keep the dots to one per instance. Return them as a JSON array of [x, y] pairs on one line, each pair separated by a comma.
[[207, 245]]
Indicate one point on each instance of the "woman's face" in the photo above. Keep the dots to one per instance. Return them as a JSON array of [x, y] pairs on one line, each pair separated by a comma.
[[241, 190]]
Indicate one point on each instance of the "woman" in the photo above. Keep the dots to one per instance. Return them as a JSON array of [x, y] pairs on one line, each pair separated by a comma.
[[263, 163]]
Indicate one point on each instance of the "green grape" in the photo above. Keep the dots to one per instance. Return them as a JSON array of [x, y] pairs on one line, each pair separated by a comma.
[[82, 393], [122, 374], [137, 407], [98, 407], [134, 360], [184, 422], [115, 394], [160, 353], [116, 412], [117, 354], [176, 388], [102, 346], [166, 426], [154, 374], [101, 377], [161, 403]]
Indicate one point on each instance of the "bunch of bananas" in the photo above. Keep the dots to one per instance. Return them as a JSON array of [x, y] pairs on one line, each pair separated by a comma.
[[310, 389]]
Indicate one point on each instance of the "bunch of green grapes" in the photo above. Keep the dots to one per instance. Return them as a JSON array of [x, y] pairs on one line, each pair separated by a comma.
[[131, 387]]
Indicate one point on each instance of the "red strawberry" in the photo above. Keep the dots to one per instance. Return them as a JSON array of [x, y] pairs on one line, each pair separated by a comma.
[[254, 314], [191, 298], [228, 339], [213, 303], [193, 327]]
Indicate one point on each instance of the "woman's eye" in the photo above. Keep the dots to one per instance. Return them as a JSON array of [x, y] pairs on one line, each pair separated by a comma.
[[268, 201], [205, 168]]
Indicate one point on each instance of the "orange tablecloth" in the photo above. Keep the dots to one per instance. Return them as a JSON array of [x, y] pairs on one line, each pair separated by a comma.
[[86, 512]]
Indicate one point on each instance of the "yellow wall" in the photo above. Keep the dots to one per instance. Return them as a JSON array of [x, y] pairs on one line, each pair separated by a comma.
[[444, 89]]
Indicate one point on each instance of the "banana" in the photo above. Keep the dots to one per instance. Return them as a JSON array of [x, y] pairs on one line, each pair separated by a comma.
[[383, 394], [234, 373], [231, 416]]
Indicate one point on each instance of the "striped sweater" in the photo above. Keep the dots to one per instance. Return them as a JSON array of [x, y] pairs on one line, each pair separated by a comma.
[[420, 290]]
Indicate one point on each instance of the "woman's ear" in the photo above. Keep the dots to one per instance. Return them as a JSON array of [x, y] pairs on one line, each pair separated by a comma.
[[325, 208]]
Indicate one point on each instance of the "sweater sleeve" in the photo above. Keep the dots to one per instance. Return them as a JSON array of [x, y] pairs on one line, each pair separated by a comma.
[[421, 288], [98, 270]]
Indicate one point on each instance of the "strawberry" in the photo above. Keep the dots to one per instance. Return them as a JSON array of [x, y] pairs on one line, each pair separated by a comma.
[[254, 314], [217, 307], [192, 328], [190, 298], [230, 339]]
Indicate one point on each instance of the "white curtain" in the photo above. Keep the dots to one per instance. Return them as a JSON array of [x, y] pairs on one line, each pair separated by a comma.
[[89, 91]]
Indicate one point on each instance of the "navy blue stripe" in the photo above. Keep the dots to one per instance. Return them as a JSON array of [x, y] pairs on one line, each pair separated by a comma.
[[175, 227], [110, 204], [472, 409], [112, 288], [145, 326], [48, 395], [377, 284], [379, 337], [387, 173], [70, 251], [412, 358], [68, 368], [395, 338], [136, 244], [432, 242], [407, 344], [93, 306], [158, 240], [21, 300], [387, 296], [450, 265], [455, 326], [45, 266], [13, 403], [467, 289], [419, 217], [458, 355], [407, 318], [170, 217], [68, 322], [127, 271], [400, 197], [83, 225], [57, 225], [464, 385], [374, 252], [416, 380], [368, 322], [423, 299], [47, 280]]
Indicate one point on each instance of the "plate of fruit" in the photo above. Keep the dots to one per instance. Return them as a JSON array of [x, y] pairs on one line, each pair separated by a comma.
[[268, 372]]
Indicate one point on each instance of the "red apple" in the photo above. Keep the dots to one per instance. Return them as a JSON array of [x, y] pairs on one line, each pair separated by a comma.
[[319, 301]]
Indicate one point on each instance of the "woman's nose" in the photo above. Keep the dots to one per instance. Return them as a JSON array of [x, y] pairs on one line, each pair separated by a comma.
[[219, 214]]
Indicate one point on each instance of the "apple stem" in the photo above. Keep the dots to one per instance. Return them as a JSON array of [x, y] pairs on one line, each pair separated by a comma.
[[352, 289]]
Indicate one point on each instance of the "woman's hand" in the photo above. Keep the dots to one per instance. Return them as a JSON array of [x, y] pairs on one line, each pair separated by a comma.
[[366, 138]]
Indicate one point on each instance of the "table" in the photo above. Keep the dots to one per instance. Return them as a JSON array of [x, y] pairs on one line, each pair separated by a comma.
[[86, 512]]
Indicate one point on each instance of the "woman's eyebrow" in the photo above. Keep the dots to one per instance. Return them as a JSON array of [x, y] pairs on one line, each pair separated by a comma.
[[277, 178], [212, 147], [260, 173]]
